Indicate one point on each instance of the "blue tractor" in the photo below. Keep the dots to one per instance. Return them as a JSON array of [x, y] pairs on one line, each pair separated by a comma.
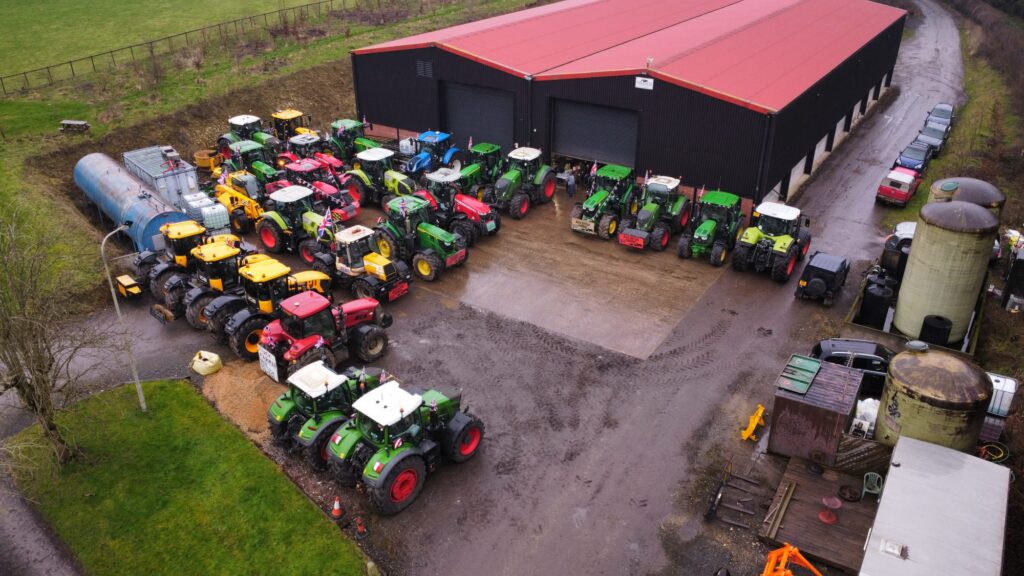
[[433, 150]]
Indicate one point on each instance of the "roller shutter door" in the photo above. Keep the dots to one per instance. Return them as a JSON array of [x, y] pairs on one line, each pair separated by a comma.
[[592, 132], [485, 114]]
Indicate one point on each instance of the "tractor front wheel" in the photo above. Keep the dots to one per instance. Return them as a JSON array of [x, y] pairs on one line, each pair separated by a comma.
[[782, 267], [372, 345], [519, 206], [659, 237], [388, 246], [741, 258], [401, 486], [426, 266], [360, 288], [547, 187], [685, 250], [240, 223], [354, 187], [194, 312], [308, 250], [466, 229], [467, 442], [316, 453], [607, 226], [271, 236], [718, 253], [245, 342]]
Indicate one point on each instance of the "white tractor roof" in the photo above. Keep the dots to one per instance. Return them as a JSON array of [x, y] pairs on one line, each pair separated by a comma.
[[316, 379], [666, 181], [243, 119], [387, 403], [780, 211], [901, 177], [375, 154], [524, 153], [303, 139], [443, 175], [352, 234], [291, 194]]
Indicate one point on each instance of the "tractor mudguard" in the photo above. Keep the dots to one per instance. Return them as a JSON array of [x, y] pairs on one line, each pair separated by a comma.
[[419, 162], [194, 293], [276, 218], [782, 243], [239, 318], [541, 173], [361, 175], [144, 259], [451, 432], [595, 200], [315, 427], [389, 459], [447, 159], [343, 443], [327, 260], [677, 207], [282, 408], [163, 267], [229, 302]]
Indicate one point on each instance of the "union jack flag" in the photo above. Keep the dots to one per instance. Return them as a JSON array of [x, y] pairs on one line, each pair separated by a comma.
[[470, 144], [326, 224]]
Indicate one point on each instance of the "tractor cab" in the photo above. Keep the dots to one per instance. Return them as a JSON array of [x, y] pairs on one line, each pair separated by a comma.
[[433, 149], [389, 415], [433, 143], [347, 131], [306, 172], [374, 162], [290, 122], [442, 187], [309, 314], [354, 250], [774, 219], [488, 157], [252, 157], [407, 213], [304, 145], [246, 184], [525, 160], [292, 202], [616, 180], [245, 125], [217, 265], [180, 238], [315, 388], [265, 283], [659, 196]]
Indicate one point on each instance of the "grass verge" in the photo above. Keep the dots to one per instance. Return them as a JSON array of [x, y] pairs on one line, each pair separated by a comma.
[[176, 491]]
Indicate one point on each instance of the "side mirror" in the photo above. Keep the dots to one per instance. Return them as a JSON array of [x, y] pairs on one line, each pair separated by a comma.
[[807, 222]]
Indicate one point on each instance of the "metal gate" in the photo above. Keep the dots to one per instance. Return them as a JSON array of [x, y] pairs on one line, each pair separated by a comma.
[[483, 114], [591, 132]]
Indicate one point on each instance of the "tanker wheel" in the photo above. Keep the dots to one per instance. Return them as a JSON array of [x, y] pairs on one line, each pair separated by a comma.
[[401, 486], [317, 455], [245, 342]]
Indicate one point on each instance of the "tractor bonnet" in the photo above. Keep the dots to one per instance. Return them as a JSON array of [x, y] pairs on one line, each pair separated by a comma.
[[388, 403], [595, 199], [316, 379], [706, 230]]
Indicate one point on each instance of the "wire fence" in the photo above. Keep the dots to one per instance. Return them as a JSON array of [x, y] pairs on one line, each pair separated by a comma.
[[214, 35]]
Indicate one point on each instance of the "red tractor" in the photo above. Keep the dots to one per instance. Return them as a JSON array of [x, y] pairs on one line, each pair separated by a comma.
[[314, 175], [455, 211], [310, 329], [311, 146]]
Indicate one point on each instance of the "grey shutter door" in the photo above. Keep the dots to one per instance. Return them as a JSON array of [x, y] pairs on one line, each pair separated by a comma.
[[592, 132], [484, 114]]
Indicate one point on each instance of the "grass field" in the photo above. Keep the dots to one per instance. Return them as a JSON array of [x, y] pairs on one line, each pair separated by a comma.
[[177, 491], [42, 33]]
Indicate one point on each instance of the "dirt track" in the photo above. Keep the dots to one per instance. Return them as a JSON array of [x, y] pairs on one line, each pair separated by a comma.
[[587, 445]]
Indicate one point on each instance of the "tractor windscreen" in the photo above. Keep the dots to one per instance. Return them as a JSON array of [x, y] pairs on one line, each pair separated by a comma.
[[606, 183], [371, 430], [657, 194], [773, 226], [712, 212], [183, 246]]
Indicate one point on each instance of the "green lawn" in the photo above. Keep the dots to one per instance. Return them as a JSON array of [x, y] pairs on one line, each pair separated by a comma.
[[178, 491], [42, 32]]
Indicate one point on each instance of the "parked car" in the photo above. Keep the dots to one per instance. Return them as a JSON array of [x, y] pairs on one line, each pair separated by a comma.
[[916, 157], [903, 235], [898, 186], [823, 277], [943, 114], [870, 358], [933, 135]]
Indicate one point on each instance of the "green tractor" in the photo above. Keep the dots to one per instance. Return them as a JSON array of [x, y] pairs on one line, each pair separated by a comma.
[[664, 212], [527, 181], [396, 438], [408, 235], [371, 178], [775, 241], [717, 224], [247, 127], [484, 167], [317, 402], [613, 201], [347, 138], [289, 223], [253, 158]]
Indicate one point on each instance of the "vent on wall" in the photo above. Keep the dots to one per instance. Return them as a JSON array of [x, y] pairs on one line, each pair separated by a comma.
[[425, 68]]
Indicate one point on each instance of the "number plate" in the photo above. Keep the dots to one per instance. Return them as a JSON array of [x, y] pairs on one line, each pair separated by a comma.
[[400, 289], [268, 363], [581, 225], [456, 258], [491, 226]]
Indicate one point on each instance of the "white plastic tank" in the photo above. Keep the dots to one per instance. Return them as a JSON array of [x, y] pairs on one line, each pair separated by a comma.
[[946, 269], [194, 208], [215, 217], [407, 146]]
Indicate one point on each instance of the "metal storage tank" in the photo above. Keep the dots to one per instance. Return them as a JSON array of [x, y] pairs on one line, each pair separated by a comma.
[[981, 193], [943, 190], [933, 396], [947, 267], [124, 198], [163, 170]]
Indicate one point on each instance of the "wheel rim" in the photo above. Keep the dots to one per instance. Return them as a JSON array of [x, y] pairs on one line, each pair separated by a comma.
[[423, 267], [722, 257], [792, 263], [549, 188], [363, 291], [267, 237], [306, 254], [252, 341], [684, 219], [612, 226], [664, 240], [376, 346], [470, 441], [634, 207], [323, 452], [404, 485], [806, 246], [524, 206], [384, 247]]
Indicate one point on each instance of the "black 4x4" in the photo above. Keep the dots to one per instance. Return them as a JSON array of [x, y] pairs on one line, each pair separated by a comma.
[[868, 357], [823, 277]]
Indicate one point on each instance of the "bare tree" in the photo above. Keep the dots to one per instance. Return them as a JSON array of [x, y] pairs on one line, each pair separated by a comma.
[[38, 343]]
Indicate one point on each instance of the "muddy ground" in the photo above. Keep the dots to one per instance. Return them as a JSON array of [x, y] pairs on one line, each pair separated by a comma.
[[612, 384]]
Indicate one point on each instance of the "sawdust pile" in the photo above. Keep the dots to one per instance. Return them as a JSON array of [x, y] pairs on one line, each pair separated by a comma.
[[242, 393]]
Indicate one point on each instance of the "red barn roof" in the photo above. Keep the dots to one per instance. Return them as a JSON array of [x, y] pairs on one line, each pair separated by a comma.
[[761, 54]]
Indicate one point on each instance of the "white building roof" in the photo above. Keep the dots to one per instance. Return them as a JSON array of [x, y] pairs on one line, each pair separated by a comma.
[[316, 379], [387, 403], [666, 181], [304, 139], [942, 512], [291, 194], [353, 233], [443, 175], [524, 153], [243, 119], [780, 211], [375, 154]]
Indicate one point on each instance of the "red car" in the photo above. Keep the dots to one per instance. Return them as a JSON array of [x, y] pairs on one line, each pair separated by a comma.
[[898, 187]]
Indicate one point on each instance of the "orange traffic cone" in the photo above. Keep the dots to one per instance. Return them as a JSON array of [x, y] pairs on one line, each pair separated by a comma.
[[336, 511], [361, 531]]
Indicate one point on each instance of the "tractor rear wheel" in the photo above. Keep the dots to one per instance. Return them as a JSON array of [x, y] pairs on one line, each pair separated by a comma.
[[360, 288], [372, 345], [240, 223], [194, 312], [519, 206], [805, 244], [735, 237], [245, 341], [308, 249], [271, 236], [401, 486], [426, 266], [354, 187], [466, 229], [783, 266], [684, 218], [158, 281], [467, 441], [283, 433], [607, 226], [685, 250], [659, 237], [741, 258], [547, 187], [316, 453], [718, 254]]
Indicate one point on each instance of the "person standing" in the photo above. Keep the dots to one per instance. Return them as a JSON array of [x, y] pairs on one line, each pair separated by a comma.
[[570, 182]]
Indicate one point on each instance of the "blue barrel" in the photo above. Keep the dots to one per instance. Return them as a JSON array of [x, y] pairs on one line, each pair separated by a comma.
[[124, 198]]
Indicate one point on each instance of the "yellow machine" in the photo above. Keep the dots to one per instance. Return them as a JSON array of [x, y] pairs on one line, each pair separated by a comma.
[[290, 122], [778, 562], [215, 273], [242, 196], [155, 268]]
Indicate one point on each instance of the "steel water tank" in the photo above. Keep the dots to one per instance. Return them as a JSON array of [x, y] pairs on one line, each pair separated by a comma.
[[946, 269], [981, 193], [933, 396]]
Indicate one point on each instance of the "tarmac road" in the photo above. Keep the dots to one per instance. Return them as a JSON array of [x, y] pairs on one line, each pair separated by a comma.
[[592, 367]]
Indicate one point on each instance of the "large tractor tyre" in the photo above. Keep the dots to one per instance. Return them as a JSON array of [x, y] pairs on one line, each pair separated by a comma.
[[194, 312], [283, 433], [735, 238], [344, 473], [547, 187], [316, 453], [519, 205], [466, 229], [783, 266], [718, 254], [372, 344], [271, 236], [175, 290], [577, 212], [805, 244], [659, 237], [608, 226], [401, 486], [497, 223], [427, 267], [308, 249], [355, 189], [683, 220], [158, 283], [360, 288], [388, 245], [245, 341], [240, 223], [467, 440], [323, 267], [216, 323], [741, 258], [322, 353], [685, 249]]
